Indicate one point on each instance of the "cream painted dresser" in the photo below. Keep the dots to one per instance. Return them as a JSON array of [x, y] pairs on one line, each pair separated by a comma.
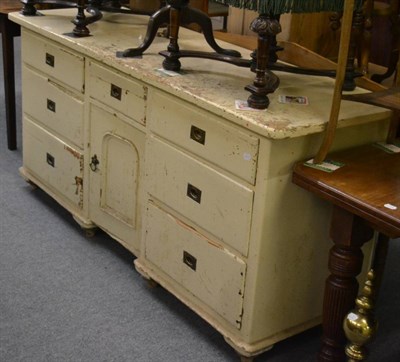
[[199, 191]]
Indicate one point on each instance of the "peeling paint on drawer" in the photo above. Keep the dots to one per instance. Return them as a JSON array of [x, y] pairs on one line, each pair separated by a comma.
[[74, 153]]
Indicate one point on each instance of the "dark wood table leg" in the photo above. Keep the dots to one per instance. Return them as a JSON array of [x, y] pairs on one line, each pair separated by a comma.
[[8, 31], [395, 51], [348, 233]]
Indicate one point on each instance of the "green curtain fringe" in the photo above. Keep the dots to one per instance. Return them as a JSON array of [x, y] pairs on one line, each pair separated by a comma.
[[276, 7]]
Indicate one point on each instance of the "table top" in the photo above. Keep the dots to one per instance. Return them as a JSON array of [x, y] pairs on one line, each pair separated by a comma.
[[368, 184], [8, 6], [209, 84]]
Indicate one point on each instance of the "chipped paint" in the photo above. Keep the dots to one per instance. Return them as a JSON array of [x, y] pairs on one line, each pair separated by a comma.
[[184, 225], [192, 229], [74, 153], [213, 243], [81, 164], [79, 190], [145, 92]]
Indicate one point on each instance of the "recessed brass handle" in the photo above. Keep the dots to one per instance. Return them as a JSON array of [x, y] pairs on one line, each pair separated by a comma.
[[50, 160], [93, 164], [194, 193], [189, 260], [116, 92], [198, 135], [50, 60], [51, 105]]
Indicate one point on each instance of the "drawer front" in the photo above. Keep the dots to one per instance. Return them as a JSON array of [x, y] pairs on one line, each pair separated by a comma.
[[52, 106], [54, 60], [209, 199], [56, 164], [204, 134], [203, 267], [119, 92]]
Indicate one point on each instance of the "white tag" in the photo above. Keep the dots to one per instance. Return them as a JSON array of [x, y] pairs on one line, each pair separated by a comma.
[[293, 100], [327, 165], [390, 206], [244, 106], [389, 147]]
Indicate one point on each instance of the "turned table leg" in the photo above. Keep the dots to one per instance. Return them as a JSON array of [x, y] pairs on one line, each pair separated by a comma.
[[348, 233], [28, 7], [265, 81], [173, 47]]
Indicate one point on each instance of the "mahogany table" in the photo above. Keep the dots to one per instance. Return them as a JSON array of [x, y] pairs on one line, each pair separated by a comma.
[[365, 198]]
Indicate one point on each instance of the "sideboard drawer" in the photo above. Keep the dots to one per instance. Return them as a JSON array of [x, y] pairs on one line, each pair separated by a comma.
[[119, 92], [203, 134], [53, 106], [203, 267], [55, 60], [211, 200], [56, 164]]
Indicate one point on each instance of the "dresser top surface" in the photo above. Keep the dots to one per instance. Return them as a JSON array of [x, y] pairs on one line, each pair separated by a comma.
[[209, 84]]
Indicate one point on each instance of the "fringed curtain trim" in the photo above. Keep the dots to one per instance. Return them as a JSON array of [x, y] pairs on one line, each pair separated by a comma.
[[288, 6]]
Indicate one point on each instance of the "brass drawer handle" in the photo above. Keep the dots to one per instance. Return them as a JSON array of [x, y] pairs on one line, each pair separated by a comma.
[[50, 160], [116, 92], [189, 260], [194, 193], [51, 105], [93, 164], [50, 60], [198, 135]]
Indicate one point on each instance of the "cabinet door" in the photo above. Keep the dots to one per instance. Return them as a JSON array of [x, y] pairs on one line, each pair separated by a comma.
[[116, 152]]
